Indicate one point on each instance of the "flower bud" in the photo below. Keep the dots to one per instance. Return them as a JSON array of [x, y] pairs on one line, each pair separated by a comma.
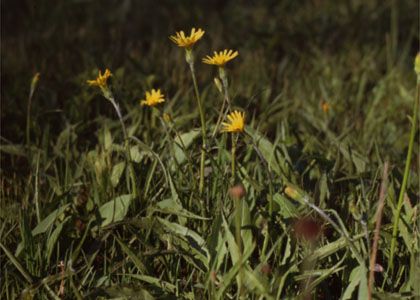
[[167, 118], [417, 64], [237, 192], [218, 84], [292, 193]]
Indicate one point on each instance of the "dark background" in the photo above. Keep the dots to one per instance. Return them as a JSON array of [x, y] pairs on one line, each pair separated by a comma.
[[66, 41]]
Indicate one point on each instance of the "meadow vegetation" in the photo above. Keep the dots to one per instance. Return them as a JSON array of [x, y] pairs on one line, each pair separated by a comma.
[[137, 163]]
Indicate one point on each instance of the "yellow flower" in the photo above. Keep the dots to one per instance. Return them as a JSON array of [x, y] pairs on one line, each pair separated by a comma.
[[153, 98], [237, 122], [221, 58], [101, 80], [187, 41]]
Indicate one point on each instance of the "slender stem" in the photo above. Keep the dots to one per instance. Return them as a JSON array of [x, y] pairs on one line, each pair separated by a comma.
[[271, 192], [405, 178], [126, 145], [341, 231], [190, 61], [233, 158], [226, 99], [28, 121], [238, 225]]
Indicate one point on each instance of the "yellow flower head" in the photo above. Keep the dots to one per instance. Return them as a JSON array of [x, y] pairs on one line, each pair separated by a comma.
[[101, 80], [237, 122], [221, 58], [153, 98], [187, 41]]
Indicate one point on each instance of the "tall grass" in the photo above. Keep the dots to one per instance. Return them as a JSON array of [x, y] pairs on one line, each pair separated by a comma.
[[286, 209]]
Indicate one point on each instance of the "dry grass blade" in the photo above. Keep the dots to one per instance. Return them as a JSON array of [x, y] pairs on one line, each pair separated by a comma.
[[378, 221]]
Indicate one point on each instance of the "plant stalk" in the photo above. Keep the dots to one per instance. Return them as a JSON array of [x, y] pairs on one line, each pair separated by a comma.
[[126, 145], [190, 60], [405, 178]]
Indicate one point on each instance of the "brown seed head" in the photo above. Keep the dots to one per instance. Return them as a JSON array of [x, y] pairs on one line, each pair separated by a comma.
[[266, 269], [237, 192]]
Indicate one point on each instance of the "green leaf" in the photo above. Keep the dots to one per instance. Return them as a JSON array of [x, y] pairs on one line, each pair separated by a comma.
[[107, 138], [331, 248], [182, 142], [288, 209], [45, 224], [157, 282], [363, 286], [193, 242], [123, 292], [115, 210], [117, 171], [136, 155], [354, 279], [272, 154], [52, 239], [136, 260], [169, 206], [231, 275], [17, 150]]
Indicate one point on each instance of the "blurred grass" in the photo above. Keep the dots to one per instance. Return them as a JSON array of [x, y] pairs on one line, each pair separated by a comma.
[[293, 57]]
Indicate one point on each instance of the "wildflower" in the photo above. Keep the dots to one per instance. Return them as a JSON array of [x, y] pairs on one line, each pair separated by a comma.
[[237, 122], [221, 58], [153, 98], [101, 80], [187, 41]]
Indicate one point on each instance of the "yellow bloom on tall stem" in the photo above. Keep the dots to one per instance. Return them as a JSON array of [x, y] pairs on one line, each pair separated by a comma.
[[187, 42], [184, 41], [153, 98], [221, 58], [101, 80], [236, 122]]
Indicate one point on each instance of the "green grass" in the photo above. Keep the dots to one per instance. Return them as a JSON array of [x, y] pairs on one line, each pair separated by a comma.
[[66, 186]]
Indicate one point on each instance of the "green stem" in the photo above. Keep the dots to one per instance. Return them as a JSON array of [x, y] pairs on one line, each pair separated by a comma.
[[238, 225], [190, 61], [126, 145], [28, 121], [233, 158], [226, 99], [405, 178]]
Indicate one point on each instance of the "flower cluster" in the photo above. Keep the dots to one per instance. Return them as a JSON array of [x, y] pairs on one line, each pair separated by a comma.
[[236, 119]]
